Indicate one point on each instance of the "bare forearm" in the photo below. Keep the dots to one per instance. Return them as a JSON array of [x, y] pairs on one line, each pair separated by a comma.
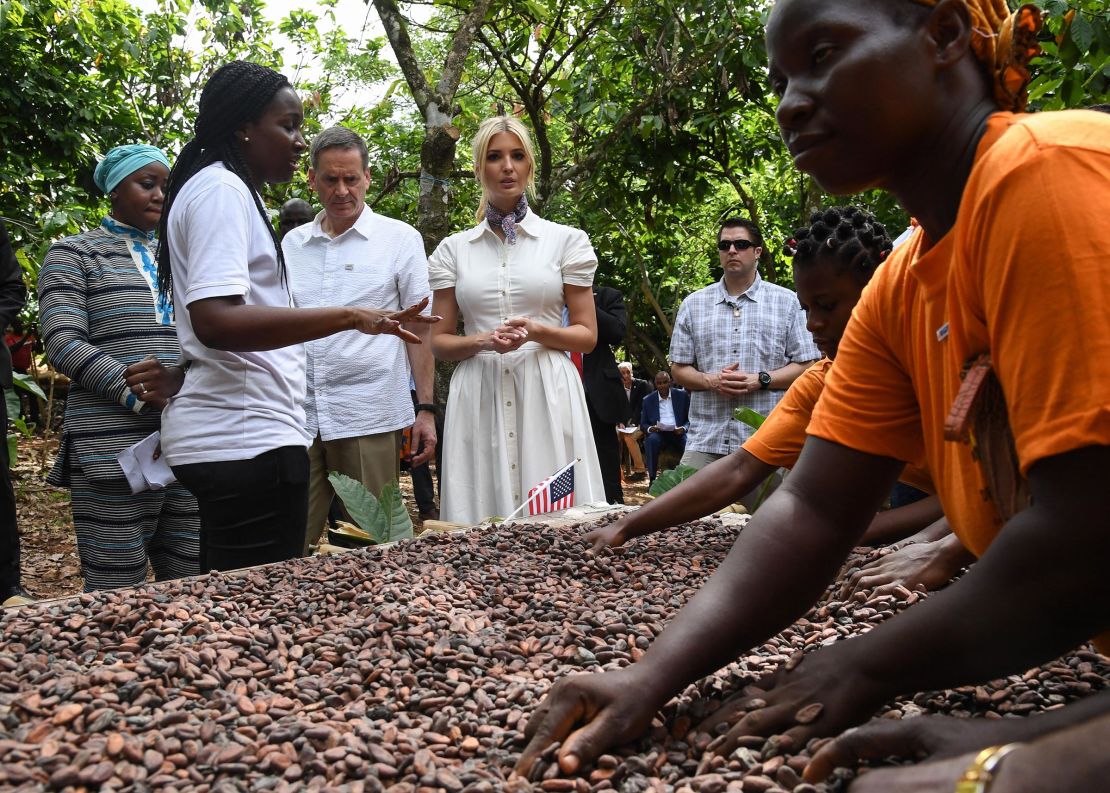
[[1072, 758], [782, 378], [899, 523], [1031, 597], [573, 338], [422, 363], [782, 562], [689, 377], [713, 487], [243, 328], [451, 347]]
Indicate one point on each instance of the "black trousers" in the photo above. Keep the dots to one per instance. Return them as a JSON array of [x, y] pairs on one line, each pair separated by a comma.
[[424, 491], [608, 456], [9, 532], [251, 511]]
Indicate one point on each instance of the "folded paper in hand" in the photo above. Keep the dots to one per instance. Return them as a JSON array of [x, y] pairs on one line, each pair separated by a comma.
[[665, 427], [143, 472]]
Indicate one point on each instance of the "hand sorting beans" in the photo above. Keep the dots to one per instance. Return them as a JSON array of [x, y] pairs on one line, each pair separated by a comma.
[[412, 668]]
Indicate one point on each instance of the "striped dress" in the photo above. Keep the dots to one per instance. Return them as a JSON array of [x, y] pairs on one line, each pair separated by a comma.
[[99, 312]]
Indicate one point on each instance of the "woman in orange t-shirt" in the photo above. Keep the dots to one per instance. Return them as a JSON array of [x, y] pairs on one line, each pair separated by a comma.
[[918, 99]]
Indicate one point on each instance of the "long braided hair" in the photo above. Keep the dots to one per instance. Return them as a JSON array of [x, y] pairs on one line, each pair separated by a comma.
[[857, 241], [237, 93]]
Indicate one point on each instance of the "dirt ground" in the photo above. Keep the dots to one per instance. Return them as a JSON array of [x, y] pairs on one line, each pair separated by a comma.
[[50, 564]]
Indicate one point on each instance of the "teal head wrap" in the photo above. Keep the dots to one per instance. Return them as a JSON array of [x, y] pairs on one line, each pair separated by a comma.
[[122, 161]]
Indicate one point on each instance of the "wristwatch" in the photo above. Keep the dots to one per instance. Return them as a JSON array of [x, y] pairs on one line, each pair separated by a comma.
[[426, 406], [764, 381]]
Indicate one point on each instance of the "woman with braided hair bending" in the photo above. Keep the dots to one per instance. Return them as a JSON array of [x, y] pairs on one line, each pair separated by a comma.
[[834, 258], [235, 433]]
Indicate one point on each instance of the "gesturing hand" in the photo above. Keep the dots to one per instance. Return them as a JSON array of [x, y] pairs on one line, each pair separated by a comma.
[[588, 714], [373, 321], [152, 382]]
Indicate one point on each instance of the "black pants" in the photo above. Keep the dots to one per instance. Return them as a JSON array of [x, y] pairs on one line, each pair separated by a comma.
[[608, 456], [423, 489], [251, 511], [9, 532]]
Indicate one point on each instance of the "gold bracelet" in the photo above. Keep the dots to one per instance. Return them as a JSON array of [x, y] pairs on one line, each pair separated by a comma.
[[980, 773]]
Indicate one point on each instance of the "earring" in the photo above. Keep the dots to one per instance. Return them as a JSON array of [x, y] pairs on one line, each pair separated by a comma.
[[246, 139]]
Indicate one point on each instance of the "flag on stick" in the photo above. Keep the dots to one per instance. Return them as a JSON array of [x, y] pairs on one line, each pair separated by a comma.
[[554, 493]]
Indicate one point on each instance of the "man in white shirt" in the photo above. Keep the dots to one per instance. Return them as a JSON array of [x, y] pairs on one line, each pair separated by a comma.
[[358, 399]]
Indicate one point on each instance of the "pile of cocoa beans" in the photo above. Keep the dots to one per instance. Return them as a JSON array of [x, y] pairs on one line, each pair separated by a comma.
[[409, 668]]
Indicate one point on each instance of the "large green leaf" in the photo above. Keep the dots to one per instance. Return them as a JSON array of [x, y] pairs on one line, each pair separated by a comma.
[[385, 519], [670, 479], [27, 383], [397, 515]]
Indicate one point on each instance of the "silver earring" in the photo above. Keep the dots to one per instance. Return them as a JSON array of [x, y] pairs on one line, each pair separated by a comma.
[[246, 139]]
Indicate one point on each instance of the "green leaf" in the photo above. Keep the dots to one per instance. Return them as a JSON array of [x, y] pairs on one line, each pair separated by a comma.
[[1082, 33], [27, 383], [385, 519], [393, 508], [361, 504], [750, 417], [11, 403], [668, 480], [13, 447]]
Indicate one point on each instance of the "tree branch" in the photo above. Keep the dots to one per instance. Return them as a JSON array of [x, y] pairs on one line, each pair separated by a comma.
[[396, 30], [468, 28]]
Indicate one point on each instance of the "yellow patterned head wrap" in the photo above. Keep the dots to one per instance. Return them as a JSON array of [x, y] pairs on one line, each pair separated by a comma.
[[1004, 42]]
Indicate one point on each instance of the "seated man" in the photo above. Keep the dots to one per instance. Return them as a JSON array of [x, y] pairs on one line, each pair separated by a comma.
[[664, 420], [629, 431]]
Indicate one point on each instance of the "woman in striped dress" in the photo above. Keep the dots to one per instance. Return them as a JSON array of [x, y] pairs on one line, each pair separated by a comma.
[[103, 318]]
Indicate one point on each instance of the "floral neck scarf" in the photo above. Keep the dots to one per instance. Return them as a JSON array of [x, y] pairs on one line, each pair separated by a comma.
[[507, 220]]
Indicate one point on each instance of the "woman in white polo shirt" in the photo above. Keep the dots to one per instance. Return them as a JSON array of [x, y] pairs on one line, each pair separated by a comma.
[[235, 434]]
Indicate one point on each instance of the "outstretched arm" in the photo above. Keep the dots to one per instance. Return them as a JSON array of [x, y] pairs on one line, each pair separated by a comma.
[[710, 489], [779, 566], [1039, 590]]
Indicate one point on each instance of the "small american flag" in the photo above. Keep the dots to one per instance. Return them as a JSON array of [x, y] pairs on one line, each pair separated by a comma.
[[554, 493]]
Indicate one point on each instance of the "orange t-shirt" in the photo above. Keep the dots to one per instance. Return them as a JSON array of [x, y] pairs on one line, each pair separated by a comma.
[[779, 441], [1022, 275]]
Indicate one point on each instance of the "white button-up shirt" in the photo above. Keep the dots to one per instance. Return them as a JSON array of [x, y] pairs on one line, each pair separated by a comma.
[[357, 384]]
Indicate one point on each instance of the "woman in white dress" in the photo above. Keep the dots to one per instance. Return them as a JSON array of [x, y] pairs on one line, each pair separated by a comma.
[[517, 412]]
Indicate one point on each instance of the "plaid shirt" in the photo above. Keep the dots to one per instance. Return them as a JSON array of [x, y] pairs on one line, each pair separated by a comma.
[[762, 329]]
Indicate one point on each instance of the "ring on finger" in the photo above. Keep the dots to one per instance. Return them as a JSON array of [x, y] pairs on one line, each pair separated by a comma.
[[142, 388]]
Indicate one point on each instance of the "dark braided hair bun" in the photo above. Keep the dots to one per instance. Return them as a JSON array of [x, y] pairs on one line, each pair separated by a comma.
[[849, 234], [236, 93]]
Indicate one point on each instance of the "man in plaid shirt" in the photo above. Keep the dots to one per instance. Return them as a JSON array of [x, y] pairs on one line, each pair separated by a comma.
[[739, 342]]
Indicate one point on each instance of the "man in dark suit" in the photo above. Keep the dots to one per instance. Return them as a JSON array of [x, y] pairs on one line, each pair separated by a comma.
[[12, 296], [664, 420], [635, 390], [605, 397]]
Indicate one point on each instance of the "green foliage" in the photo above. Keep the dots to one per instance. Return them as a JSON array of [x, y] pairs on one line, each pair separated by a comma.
[[670, 479], [1074, 70], [384, 519]]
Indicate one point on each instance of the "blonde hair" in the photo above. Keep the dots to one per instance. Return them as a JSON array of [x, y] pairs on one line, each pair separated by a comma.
[[486, 130]]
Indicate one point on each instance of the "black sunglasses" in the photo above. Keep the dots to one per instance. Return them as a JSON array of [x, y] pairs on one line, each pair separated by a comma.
[[741, 245]]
